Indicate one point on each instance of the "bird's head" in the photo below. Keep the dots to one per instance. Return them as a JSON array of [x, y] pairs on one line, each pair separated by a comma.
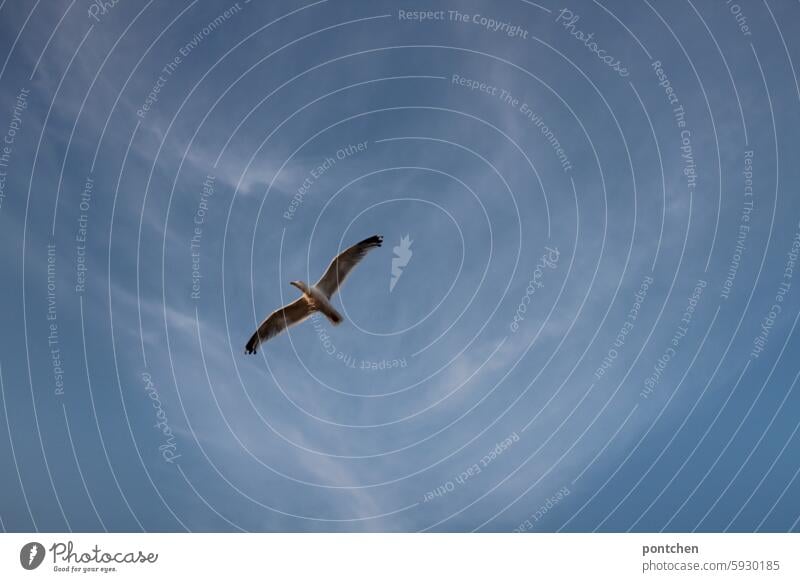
[[300, 285]]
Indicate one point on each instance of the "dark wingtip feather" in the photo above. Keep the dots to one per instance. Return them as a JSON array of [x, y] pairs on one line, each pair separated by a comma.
[[375, 240], [251, 346]]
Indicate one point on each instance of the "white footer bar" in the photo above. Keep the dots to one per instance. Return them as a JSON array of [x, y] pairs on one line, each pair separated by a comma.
[[356, 557]]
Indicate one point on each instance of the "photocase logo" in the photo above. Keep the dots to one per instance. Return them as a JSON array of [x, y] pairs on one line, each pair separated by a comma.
[[31, 555], [402, 256]]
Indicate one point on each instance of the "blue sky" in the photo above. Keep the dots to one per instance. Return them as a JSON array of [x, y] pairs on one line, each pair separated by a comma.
[[594, 330]]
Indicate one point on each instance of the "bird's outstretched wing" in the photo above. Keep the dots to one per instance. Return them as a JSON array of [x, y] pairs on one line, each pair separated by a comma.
[[277, 321], [341, 266]]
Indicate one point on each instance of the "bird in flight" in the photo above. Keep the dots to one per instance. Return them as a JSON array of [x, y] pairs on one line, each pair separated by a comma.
[[315, 298]]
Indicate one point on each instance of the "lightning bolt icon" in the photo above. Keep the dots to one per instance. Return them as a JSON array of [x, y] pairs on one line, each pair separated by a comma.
[[402, 256], [33, 553]]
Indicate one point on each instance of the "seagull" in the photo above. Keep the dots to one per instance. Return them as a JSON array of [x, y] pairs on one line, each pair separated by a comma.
[[315, 298]]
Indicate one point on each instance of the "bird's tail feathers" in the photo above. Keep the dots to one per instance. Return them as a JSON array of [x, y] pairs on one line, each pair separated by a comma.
[[334, 316]]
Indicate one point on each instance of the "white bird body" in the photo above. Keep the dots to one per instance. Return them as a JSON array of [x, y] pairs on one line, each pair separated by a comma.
[[315, 298], [319, 301]]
